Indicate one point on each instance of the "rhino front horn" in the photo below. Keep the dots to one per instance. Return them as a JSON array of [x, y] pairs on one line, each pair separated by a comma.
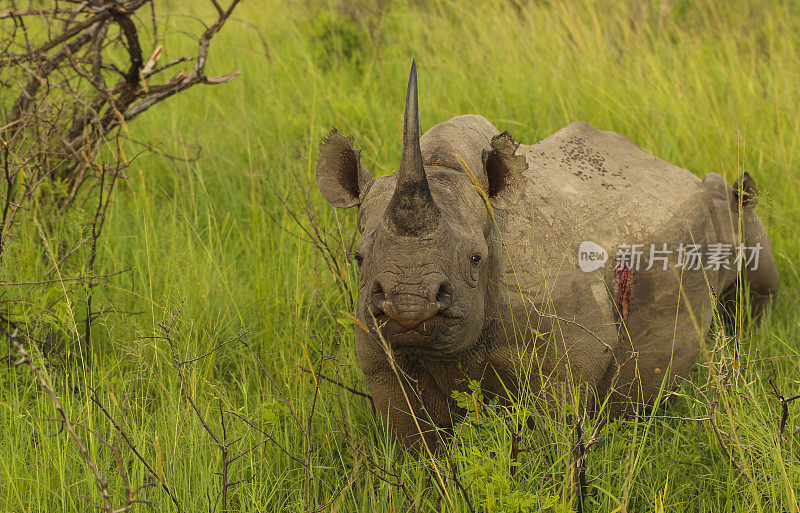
[[412, 210]]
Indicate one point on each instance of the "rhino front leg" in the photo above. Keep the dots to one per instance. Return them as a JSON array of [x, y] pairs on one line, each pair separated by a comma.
[[411, 404]]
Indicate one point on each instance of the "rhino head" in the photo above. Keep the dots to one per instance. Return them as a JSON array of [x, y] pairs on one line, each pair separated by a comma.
[[425, 251], [427, 256]]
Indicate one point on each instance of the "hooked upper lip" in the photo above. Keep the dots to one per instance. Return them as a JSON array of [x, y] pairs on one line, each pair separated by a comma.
[[410, 323], [399, 334]]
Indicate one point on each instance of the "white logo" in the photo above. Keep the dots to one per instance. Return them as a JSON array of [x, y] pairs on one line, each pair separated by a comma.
[[591, 256]]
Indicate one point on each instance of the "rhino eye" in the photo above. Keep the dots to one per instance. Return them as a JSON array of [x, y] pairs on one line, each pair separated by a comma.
[[358, 258], [476, 259]]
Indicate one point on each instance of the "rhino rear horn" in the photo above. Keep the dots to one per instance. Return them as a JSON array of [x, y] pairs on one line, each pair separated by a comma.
[[412, 210]]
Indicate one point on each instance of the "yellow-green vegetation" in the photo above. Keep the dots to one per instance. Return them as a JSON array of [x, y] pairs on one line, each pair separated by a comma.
[[709, 86]]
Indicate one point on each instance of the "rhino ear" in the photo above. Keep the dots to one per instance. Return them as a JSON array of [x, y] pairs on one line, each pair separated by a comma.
[[504, 170], [341, 178], [746, 191]]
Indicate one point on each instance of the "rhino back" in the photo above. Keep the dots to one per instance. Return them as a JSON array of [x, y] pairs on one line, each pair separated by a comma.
[[584, 184]]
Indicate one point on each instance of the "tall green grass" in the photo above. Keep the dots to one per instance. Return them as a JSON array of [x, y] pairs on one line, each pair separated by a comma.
[[708, 86]]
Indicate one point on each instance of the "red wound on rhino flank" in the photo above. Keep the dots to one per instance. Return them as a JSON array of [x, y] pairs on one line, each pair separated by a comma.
[[623, 294]]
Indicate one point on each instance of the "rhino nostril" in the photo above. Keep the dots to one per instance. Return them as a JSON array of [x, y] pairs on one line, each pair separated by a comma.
[[377, 299], [444, 296]]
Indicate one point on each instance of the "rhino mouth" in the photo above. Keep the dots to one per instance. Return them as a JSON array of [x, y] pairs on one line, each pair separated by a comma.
[[430, 332]]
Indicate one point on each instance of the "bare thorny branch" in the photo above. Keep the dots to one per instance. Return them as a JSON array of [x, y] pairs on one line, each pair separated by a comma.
[[580, 454], [62, 130], [304, 426], [220, 436], [121, 433], [61, 148], [784, 402], [69, 426], [67, 108]]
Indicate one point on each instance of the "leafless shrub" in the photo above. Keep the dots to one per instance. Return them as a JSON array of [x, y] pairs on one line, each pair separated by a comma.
[[66, 97], [72, 75], [71, 93]]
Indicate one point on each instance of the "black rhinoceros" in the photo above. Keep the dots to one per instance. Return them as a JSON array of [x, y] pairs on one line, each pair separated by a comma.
[[482, 259]]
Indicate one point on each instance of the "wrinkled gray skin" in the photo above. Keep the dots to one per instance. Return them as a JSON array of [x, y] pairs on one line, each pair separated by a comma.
[[457, 295]]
